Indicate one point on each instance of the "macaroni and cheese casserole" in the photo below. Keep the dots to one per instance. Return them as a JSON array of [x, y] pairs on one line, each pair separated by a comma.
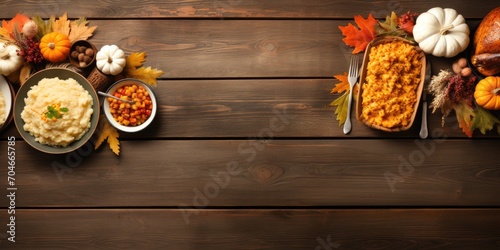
[[393, 75]]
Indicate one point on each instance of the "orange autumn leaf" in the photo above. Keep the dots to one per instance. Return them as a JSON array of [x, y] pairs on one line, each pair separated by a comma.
[[343, 85], [18, 21], [359, 37]]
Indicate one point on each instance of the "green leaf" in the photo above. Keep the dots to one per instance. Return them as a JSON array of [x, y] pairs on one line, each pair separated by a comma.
[[484, 120], [390, 27], [54, 113], [43, 27], [390, 24]]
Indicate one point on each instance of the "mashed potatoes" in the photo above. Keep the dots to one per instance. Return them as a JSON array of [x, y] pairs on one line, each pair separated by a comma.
[[57, 112], [3, 111]]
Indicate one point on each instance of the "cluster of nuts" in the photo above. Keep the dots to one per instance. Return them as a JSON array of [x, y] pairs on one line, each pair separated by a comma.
[[460, 67], [83, 55]]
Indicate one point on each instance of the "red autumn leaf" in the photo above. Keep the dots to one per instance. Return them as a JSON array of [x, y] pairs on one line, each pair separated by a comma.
[[359, 37]]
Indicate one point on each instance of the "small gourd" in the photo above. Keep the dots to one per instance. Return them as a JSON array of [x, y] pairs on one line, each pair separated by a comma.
[[487, 93], [441, 32], [10, 61], [110, 60], [55, 47]]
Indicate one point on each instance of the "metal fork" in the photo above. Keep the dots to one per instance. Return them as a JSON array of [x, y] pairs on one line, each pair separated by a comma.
[[352, 78]]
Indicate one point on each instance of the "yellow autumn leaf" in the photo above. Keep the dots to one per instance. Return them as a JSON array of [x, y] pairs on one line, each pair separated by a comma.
[[106, 131], [4, 33], [147, 75], [341, 107], [61, 25], [79, 30], [25, 73], [113, 142], [135, 60]]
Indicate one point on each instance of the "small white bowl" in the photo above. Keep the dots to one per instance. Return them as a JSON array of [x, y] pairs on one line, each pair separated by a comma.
[[109, 116]]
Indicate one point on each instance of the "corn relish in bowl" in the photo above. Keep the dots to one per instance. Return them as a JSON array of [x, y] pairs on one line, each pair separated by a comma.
[[133, 107]]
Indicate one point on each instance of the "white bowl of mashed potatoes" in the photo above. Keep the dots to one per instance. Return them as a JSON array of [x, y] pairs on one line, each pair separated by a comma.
[[56, 111]]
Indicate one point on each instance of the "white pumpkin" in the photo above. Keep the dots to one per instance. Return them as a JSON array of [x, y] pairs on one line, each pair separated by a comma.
[[10, 61], [110, 60], [441, 32]]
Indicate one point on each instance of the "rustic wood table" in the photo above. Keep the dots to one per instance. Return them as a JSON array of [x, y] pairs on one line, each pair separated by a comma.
[[245, 152]]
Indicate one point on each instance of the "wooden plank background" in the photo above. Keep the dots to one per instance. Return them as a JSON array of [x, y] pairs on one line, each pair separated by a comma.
[[245, 152], [298, 173], [260, 229]]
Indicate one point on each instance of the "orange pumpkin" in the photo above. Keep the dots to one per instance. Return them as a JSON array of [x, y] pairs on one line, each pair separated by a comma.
[[487, 93], [55, 47]]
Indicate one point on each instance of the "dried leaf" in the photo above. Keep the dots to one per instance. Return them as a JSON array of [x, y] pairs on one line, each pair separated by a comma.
[[135, 60], [61, 25], [361, 36], [465, 114], [390, 23], [341, 111], [342, 101], [25, 73], [79, 30], [101, 135], [106, 131], [4, 33], [50, 22], [484, 120], [147, 75]]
